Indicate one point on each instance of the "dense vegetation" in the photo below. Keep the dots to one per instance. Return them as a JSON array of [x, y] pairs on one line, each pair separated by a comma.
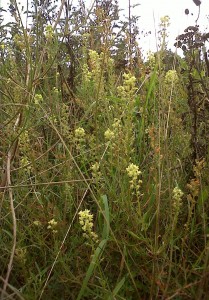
[[104, 157]]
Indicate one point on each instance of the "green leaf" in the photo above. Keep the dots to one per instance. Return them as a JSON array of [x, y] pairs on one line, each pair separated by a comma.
[[119, 286], [106, 226], [95, 259], [99, 250]]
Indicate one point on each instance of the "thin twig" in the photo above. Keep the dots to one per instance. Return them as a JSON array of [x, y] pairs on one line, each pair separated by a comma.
[[47, 183], [179, 291], [13, 289], [9, 269]]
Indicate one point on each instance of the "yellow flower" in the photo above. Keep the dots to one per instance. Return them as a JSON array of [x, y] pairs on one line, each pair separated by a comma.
[[86, 221], [109, 134], [52, 224], [79, 133], [177, 199], [38, 99], [165, 21], [133, 171], [171, 77], [37, 223], [49, 32]]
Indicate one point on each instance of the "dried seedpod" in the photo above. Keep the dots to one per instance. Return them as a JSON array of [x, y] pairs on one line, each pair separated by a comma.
[[197, 2]]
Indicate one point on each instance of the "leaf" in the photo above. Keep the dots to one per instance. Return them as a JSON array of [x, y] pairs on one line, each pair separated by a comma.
[[93, 264], [106, 226], [99, 250], [118, 287]]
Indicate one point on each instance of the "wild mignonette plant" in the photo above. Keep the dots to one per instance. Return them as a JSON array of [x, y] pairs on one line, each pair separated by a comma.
[[103, 158]]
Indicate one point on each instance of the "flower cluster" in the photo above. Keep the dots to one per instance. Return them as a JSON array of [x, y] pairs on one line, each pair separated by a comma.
[[194, 188], [79, 134], [165, 21], [55, 90], [24, 142], [19, 41], [52, 225], [25, 163], [38, 99], [87, 75], [177, 199], [79, 138], [194, 184], [151, 60], [92, 71], [109, 134], [96, 174], [37, 223], [86, 221], [164, 24], [111, 63], [94, 60], [129, 82], [95, 67], [21, 254], [171, 77], [128, 88], [113, 135], [116, 124], [49, 32], [52, 119], [134, 173], [198, 167]]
